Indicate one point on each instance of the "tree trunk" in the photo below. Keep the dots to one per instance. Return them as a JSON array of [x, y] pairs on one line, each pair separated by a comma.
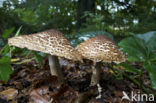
[[84, 5]]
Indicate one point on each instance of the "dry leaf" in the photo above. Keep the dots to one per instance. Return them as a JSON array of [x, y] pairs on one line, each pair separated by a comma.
[[9, 94]]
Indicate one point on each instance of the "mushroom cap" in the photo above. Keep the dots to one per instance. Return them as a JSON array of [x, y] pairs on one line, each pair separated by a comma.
[[51, 41], [101, 48]]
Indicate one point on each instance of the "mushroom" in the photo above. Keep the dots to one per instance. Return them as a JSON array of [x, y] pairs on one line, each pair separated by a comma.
[[51, 42], [100, 48]]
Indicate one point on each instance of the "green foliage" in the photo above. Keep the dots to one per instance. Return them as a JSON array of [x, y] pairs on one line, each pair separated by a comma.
[[149, 38], [45, 14], [5, 61], [5, 68], [135, 48], [129, 68], [8, 32], [38, 57], [93, 22], [5, 50], [118, 17], [140, 48], [151, 68], [18, 31]]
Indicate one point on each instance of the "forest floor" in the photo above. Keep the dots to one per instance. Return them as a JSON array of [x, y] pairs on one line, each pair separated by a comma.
[[31, 83]]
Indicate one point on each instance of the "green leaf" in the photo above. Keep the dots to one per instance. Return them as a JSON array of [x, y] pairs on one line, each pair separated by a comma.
[[149, 38], [5, 50], [8, 32], [18, 31], [136, 49], [129, 68], [5, 68], [151, 68], [38, 57]]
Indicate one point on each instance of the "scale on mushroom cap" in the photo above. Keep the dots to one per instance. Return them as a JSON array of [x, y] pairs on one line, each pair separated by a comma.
[[100, 48], [51, 42]]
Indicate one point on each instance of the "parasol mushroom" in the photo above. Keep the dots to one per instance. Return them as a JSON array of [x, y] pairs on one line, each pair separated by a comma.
[[51, 42], [100, 48]]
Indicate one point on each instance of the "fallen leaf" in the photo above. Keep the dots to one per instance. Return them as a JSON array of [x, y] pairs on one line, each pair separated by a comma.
[[65, 95], [39, 95], [9, 94], [118, 93]]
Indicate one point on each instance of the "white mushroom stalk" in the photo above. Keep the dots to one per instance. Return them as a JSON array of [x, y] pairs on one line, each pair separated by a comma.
[[51, 42], [55, 67]]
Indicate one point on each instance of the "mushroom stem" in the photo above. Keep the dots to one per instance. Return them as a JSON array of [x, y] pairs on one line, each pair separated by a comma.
[[96, 70], [55, 67]]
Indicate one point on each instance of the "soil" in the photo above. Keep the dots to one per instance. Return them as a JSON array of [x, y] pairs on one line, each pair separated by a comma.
[[31, 83]]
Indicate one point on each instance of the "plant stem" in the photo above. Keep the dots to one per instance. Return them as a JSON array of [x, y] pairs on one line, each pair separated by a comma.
[[21, 62]]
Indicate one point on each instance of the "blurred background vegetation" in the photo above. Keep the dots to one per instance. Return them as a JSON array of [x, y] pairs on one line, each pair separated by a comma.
[[119, 17], [131, 23]]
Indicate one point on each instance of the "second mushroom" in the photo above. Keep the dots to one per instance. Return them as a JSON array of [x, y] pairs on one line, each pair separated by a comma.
[[100, 48]]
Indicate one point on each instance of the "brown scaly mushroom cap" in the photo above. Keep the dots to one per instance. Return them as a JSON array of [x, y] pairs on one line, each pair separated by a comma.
[[101, 48], [51, 41]]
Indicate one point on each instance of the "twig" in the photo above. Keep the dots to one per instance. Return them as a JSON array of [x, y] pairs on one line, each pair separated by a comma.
[[24, 61]]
